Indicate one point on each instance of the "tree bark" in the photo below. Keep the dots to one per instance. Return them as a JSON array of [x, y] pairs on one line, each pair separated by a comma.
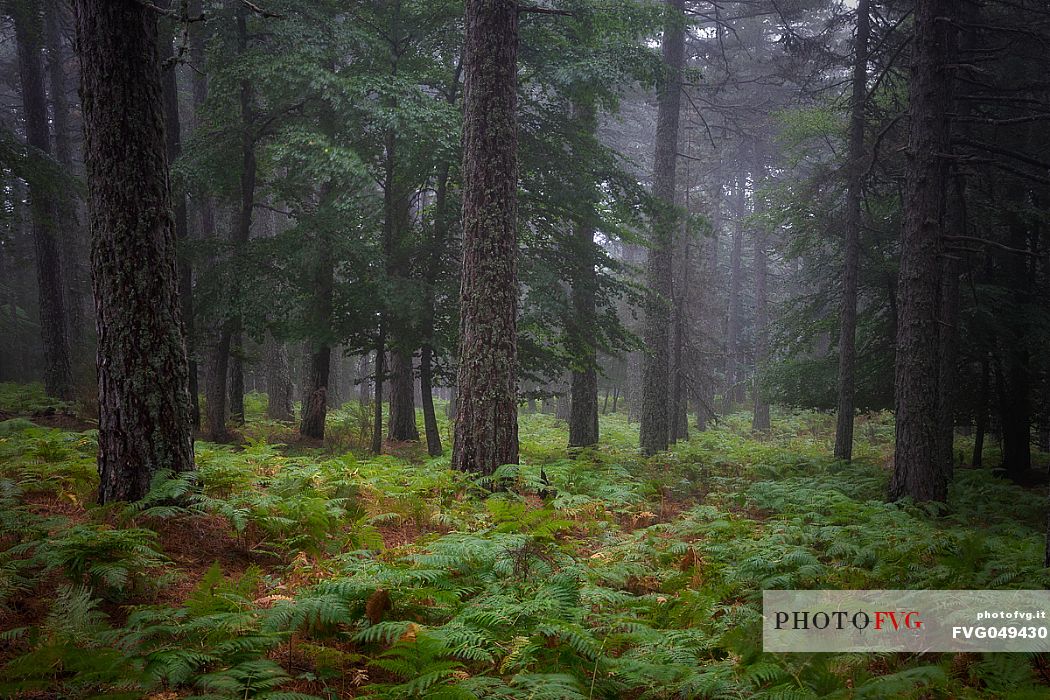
[[563, 409], [377, 399], [1015, 412], [402, 420], [438, 249], [735, 314], [215, 360], [335, 378], [583, 409], [58, 376], [364, 396], [438, 245], [679, 421], [319, 363], [760, 415], [396, 222], [426, 383], [1043, 433], [315, 392], [13, 351], [450, 407], [236, 384], [486, 434], [143, 371], [278, 381], [917, 472], [654, 423], [981, 419], [583, 417], [173, 131], [215, 391], [243, 225], [948, 321], [708, 310], [73, 247], [851, 251]]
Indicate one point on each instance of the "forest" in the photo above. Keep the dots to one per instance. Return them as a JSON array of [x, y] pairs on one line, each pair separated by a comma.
[[462, 349]]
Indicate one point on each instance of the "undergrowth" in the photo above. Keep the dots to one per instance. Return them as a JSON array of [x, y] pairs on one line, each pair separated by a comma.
[[593, 575]]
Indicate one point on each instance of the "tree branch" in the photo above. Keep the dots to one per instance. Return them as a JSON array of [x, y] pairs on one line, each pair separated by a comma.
[[991, 148], [260, 11], [985, 241], [545, 11]]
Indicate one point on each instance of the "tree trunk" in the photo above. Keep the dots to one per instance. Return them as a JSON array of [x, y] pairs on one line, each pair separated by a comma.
[[486, 433], [315, 386], [1015, 412], [438, 249], [243, 225], [364, 369], [981, 419], [335, 379], [173, 127], [215, 391], [708, 311], [29, 33], [73, 247], [278, 381], [760, 417], [583, 418], [563, 411], [143, 372], [917, 472], [679, 423], [735, 315], [948, 320], [402, 421], [426, 386], [12, 352], [377, 400], [315, 392], [851, 252], [450, 407], [396, 222], [654, 424], [633, 390], [1016, 385], [236, 386], [1043, 438], [204, 337]]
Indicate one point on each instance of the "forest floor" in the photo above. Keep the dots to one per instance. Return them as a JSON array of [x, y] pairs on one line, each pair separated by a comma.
[[290, 571]]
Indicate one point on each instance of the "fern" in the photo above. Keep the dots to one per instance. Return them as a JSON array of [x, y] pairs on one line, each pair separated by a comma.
[[112, 561]]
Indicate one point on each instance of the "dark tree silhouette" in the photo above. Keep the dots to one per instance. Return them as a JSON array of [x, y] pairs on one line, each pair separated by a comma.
[[916, 471], [143, 373], [583, 408], [29, 32], [654, 425], [487, 413], [856, 164]]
